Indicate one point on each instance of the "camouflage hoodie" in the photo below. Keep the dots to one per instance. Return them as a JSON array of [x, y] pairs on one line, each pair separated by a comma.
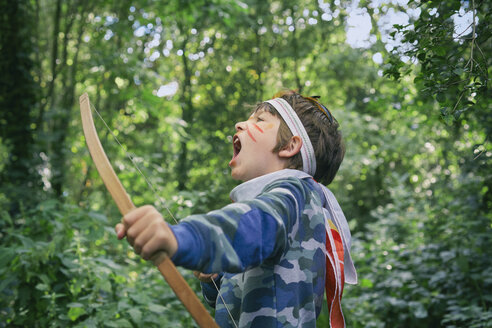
[[269, 246]]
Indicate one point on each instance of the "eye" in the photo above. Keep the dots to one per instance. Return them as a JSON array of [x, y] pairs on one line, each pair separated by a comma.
[[259, 119]]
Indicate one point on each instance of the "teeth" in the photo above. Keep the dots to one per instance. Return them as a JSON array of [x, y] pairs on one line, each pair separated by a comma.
[[237, 145]]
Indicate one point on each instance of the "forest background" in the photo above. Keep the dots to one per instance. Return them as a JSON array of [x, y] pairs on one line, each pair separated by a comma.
[[408, 82]]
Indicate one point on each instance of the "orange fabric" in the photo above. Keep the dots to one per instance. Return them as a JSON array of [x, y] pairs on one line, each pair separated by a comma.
[[335, 278]]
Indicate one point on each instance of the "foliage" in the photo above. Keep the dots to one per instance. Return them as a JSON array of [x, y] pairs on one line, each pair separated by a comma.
[[425, 268], [453, 60], [18, 98], [62, 266]]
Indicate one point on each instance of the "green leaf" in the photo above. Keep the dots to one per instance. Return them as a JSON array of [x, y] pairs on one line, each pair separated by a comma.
[[448, 119], [366, 283], [123, 305], [120, 323], [440, 51], [458, 71], [140, 298], [420, 311], [75, 312], [6, 255], [136, 315], [75, 305], [156, 308], [6, 217], [42, 287], [108, 262], [99, 217], [441, 97]]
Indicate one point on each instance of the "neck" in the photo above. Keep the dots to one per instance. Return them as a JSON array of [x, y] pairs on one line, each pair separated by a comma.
[[253, 187]]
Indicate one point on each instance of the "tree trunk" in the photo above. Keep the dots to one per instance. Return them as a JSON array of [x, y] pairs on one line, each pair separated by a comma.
[[19, 180], [67, 100], [187, 116]]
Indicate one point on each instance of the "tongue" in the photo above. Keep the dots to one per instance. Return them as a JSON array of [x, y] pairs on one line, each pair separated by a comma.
[[234, 155]]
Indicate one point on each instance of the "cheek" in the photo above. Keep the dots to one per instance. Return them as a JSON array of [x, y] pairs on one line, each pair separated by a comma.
[[251, 135], [258, 128]]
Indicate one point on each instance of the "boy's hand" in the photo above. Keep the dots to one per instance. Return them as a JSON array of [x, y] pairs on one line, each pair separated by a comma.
[[205, 277], [147, 232]]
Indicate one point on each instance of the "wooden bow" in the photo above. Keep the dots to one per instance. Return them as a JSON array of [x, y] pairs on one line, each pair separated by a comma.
[[125, 205]]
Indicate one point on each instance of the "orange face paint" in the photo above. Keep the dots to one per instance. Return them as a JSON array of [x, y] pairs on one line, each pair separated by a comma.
[[249, 134], [257, 127]]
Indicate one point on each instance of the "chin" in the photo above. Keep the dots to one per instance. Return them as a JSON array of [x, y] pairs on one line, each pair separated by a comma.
[[240, 177], [235, 175]]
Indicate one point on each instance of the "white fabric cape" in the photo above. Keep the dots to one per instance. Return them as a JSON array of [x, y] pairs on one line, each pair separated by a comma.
[[252, 188]]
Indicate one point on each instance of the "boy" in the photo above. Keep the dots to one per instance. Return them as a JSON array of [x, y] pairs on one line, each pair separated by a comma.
[[283, 240]]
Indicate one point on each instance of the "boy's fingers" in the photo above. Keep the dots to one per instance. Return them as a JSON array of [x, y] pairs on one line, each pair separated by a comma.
[[158, 258], [135, 231], [131, 217], [151, 248], [205, 277], [120, 230], [161, 239], [144, 235], [148, 233]]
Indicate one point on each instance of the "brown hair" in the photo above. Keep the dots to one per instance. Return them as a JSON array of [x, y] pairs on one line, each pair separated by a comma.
[[322, 129]]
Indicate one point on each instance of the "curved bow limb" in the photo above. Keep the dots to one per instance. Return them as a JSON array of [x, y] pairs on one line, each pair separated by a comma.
[[178, 284]]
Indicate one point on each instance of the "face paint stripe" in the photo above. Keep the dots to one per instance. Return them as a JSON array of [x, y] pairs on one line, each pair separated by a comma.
[[249, 134], [259, 129]]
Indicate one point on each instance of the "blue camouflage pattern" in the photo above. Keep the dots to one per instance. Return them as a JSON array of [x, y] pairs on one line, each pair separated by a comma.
[[270, 251]]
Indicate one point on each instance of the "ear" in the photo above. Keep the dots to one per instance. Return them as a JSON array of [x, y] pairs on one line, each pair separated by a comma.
[[293, 147]]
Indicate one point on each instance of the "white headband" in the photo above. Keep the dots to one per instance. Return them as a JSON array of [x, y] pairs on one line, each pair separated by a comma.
[[295, 125]]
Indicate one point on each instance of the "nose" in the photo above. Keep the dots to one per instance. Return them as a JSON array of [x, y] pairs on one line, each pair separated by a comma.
[[240, 126]]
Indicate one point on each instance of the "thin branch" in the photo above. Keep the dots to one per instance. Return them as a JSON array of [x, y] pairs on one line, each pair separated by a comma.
[[473, 36], [481, 52], [459, 99], [484, 149], [458, 36]]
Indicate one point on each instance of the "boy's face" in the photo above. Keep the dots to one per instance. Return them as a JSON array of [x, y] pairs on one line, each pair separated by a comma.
[[253, 144]]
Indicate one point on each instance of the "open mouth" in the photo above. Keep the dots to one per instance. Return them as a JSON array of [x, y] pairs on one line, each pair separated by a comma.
[[236, 144]]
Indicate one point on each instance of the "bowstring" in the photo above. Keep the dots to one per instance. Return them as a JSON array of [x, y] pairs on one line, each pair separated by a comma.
[[161, 200], [132, 159]]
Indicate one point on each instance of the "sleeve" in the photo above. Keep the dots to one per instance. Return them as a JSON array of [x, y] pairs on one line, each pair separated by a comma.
[[240, 235]]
